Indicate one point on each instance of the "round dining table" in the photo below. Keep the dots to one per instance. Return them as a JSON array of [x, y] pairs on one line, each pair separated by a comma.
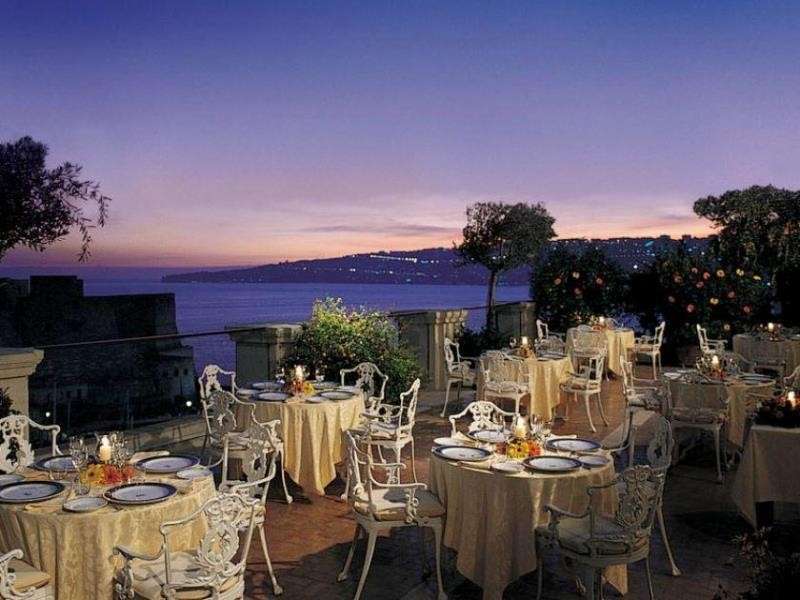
[[752, 346], [491, 517], [312, 434], [543, 376], [619, 341], [735, 394], [76, 549]]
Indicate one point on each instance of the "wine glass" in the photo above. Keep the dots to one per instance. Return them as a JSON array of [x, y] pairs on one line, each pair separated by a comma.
[[512, 343], [80, 457]]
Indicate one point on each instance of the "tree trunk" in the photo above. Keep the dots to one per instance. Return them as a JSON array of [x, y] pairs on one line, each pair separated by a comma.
[[490, 301]]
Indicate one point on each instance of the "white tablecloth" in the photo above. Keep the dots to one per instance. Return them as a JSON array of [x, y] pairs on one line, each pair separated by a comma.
[[751, 346]]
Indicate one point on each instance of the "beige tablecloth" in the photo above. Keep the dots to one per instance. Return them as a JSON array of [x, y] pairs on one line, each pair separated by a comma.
[[76, 549], [543, 378], [732, 395], [491, 518], [769, 469], [618, 341], [750, 346], [312, 437]]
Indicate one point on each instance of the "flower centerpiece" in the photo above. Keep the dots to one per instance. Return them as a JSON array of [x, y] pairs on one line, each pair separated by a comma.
[[298, 385], [779, 411], [711, 366], [520, 445], [106, 474], [601, 323], [772, 331]]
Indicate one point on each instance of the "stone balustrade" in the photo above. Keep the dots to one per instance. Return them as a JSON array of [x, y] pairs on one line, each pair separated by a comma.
[[16, 365]]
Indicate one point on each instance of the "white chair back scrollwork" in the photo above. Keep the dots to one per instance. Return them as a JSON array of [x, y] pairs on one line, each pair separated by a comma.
[[503, 377], [587, 383], [370, 380], [548, 340], [708, 345], [650, 346], [209, 380], [484, 415], [216, 566], [460, 371], [16, 452]]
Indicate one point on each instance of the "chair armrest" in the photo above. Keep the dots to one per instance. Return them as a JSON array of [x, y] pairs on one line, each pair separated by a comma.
[[130, 554], [556, 514]]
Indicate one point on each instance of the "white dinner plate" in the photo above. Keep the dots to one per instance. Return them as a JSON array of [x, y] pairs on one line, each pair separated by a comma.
[[316, 399], [30, 491], [247, 392], [510, 466], [672, 375], [325, 385], [167, 464], [462, 453], [273, 396], [552, 464], [337, 395], [594, 461], [85, 504], [572, 445], [269, 386], [489, 436], [195, 472], [7, 478], [349, 388], [451, 441], [62, 464], [140, 493]]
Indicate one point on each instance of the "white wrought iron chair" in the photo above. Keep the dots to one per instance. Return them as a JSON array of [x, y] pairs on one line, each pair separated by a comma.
[[460, 371], [587, 344], [659, 457], [369, 380], [215, 569], [792, 381], [769, 356], [587, 383], [496, 367], [650, 346], [485, 415], [391, 427], [594, 541], [549, 340], [639, 394], [21, 581], [708, 345], [258, 467], [16, 452], [381, 507], [711, 419]]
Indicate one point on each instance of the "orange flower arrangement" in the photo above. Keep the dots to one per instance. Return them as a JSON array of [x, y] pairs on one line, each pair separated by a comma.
[[101, 474]]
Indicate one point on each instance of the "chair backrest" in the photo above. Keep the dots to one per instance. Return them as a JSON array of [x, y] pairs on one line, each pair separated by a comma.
[[16, 452], [702, 338], [659, 449], [485, 415], [209, 380], [359, 468], [542, 330], [592, 371], [627, 375], [452, 355], [589, 340], [639, 491], [660, 333], [218, 412], [221, 553], [792, 381], [497, 366], [367, 376], [261, 441]]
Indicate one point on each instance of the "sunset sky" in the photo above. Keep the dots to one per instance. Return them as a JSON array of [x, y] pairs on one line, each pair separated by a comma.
[[249, 132]]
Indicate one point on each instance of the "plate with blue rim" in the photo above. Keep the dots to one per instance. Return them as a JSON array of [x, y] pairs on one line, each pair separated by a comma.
[[337, 395], [273, 396], [268, 386], [247, 392], [490, 436], [324, 385], [137, 494], [164, 465], [594, 461], [572, 445], [551, 464], [462, 453], [24, 492], [59, 463]]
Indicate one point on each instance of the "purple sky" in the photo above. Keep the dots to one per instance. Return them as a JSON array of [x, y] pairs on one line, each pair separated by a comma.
[[249, 132]]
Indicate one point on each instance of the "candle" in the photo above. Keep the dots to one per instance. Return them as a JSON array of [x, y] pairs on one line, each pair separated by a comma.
[[790, 398], [524, 341], [298, 373], [104, 452], [520, 431], [770, 327], [715, 361], [602, 321]]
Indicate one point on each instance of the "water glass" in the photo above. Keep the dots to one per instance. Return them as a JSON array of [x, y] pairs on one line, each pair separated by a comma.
[[512, 343]]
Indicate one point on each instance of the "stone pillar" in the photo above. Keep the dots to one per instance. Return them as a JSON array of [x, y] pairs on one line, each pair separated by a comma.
[[260, 352], [516, 320], [424, 332], [16, 365]]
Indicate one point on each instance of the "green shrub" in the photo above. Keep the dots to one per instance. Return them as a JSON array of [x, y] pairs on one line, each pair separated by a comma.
[[336, 337], [474, 343], [570, 288]]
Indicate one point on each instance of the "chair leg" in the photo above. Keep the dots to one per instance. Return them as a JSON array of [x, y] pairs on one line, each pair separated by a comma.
[[372, 537], [602, 412], [660, 368], [589, 413], [437, 539], [676, 572], [718, 453], [278, 590], [345, 573], [539, 573], [446, 397], [649, 577], [286, 493], [413, 462], [655, 373]]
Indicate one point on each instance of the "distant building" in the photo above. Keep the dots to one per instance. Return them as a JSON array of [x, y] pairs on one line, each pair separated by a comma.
[[97, 382]]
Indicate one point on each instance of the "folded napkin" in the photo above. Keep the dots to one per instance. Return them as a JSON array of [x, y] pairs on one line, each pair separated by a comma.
[[50, 506], [137, 456], [483, 465]]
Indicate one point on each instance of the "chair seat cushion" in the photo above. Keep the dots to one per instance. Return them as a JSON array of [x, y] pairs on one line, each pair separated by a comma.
[[28, 576], [573, 535], [149, 577], [390, 504], [646, 348], [503, 387]]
